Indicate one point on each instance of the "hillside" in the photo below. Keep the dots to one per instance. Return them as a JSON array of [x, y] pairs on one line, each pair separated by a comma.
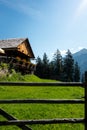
[[81, 58]]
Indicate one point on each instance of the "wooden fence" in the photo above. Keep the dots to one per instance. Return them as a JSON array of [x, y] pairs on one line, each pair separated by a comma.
[[22, 123]]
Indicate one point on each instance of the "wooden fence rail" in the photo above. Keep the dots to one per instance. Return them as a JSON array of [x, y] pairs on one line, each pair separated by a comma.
[[10, 117], [43, 122], [53, 84], [50, 101], [42, 101]]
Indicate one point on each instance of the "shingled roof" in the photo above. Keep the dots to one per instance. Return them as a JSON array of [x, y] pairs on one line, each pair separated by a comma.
[[11, 43]]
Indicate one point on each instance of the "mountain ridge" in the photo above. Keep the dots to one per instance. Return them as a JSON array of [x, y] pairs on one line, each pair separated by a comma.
[[81, 58], [82, 51]]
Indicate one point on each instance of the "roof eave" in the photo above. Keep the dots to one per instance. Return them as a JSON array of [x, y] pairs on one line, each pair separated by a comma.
[[30, 48]]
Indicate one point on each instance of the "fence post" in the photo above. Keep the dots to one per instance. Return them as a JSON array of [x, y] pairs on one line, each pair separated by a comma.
[[86, 100]]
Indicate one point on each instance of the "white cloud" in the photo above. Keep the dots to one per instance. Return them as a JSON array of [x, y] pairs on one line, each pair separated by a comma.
[[76, 49], [79, 48], [63, 52], [27, 10], [22, 7], [73, 50]]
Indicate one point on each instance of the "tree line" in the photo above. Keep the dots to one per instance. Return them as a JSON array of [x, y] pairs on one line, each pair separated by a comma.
[[59, 68]]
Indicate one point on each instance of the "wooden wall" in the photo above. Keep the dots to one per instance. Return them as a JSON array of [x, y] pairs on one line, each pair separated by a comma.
[[24, 48]]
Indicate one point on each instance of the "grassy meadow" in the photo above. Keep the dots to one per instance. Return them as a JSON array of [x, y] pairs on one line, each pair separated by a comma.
[[42, 111]]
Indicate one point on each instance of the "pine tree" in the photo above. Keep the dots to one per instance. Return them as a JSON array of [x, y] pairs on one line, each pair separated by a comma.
[[57, 60], [68, 67], [39, 67], [51, 70], [42, 67], [76, 73], [45, 63]]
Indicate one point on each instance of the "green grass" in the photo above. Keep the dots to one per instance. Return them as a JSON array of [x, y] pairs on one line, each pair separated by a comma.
[[43, 111]]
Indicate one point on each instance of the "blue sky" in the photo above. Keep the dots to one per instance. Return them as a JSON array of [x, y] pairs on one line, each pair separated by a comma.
[[49, 24]]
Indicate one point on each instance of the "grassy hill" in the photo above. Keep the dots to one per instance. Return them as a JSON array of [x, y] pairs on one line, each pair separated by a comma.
[[24, 78], [40, 111]]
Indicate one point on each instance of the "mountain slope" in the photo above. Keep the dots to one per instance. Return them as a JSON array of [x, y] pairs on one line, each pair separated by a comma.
[[81, 58]]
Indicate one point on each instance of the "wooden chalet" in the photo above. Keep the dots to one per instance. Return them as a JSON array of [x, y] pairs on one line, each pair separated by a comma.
[[18, 53]]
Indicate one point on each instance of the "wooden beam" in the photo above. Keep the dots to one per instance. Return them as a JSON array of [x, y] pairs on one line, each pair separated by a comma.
[[43, 122], [42, 101], [40, 84]]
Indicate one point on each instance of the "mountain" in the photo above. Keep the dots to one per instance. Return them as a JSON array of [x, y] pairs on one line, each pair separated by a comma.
[[81, 58]]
